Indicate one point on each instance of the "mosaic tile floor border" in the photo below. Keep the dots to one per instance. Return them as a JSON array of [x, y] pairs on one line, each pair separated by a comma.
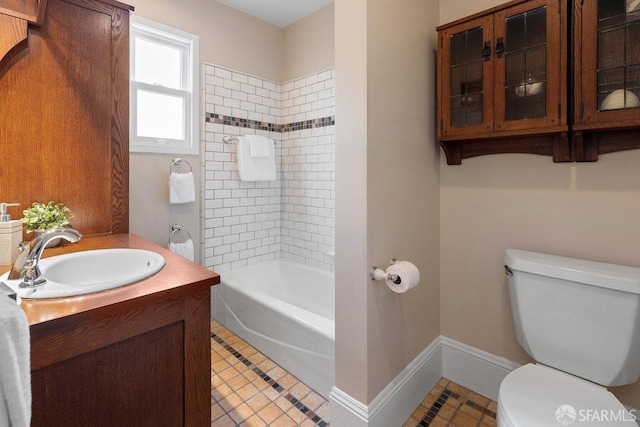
[[298, 404], [449, 404], [442, 399]]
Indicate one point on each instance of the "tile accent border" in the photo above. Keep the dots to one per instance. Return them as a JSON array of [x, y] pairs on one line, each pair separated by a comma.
[[270, 127], [309, 124], [240, 122], [442, 399], [273, 383]]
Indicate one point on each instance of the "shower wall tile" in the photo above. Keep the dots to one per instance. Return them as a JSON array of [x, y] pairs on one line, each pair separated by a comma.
[[241, 220], [293, 217], [308, 166], [308, 226]]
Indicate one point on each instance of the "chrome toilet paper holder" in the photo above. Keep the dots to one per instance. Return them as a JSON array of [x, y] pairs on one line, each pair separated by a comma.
[[376, 273]]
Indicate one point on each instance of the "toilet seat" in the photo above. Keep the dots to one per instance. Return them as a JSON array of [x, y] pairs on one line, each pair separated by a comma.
[[531, 395]]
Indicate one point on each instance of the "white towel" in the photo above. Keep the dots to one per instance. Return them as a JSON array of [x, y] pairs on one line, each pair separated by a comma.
[[259, 146], [182, 188], [256, 168], [15, 365], [185, 250]]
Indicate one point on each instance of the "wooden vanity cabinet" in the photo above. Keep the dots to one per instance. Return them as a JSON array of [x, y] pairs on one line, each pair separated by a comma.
[[606, 55], [502, 82], [143, 362], [139, 355]]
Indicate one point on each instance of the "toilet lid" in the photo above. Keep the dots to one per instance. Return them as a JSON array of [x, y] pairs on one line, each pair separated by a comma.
[[539, 396]]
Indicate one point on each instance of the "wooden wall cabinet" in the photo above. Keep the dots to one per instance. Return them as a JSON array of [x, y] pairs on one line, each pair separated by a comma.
[[502, 82], [64, 120], [15, 15], [29, 10], [606, 55], [573, 95]]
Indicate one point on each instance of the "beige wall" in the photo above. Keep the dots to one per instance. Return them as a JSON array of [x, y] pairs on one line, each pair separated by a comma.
[[351, 198], [228, 37], [491, 203], [456, 9], [308, 44], [388, 191], [150, 214]]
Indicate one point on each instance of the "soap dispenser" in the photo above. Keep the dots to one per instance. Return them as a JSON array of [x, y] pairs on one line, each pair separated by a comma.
[[10, 235]]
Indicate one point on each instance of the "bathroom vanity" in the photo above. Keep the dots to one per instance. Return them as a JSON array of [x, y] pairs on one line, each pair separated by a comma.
[[138, 355]]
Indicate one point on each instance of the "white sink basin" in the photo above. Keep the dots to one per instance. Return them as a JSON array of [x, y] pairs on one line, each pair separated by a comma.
[[86, 272]]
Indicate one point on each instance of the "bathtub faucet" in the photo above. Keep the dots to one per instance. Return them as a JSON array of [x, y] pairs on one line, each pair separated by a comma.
[[26, 265]]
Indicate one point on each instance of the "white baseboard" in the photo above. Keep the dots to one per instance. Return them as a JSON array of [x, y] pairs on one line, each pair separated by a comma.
[[399, 398], [474, 369], [468, 366], [345, 411]]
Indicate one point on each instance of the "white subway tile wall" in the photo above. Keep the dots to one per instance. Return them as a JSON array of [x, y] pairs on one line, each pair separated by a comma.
[[293, 217]]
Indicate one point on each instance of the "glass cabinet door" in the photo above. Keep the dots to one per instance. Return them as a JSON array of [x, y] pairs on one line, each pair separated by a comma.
[[618, 54], [466, 85], [527, 67], [610, 73]]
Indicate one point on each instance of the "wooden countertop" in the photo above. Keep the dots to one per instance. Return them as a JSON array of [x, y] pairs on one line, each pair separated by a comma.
[[177, 276]]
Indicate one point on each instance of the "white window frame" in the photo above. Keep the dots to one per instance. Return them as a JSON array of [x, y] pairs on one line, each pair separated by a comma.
[[189, 44]]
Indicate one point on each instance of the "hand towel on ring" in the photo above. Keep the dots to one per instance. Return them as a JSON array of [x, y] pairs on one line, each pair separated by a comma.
[[185, 250], [181, 188]]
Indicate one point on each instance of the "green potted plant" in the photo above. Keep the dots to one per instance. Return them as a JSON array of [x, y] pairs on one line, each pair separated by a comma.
[[41, 217]]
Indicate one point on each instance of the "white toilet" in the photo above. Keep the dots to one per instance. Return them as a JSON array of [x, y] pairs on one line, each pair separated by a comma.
[[580, 320]]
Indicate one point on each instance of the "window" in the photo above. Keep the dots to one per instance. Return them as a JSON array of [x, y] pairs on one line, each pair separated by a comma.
[[164, 95]]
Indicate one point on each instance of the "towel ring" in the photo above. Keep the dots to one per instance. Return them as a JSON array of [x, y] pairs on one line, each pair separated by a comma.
[[177, 162], [176, 228]]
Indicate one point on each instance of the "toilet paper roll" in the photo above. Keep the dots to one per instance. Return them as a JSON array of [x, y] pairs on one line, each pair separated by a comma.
[[406, 274]]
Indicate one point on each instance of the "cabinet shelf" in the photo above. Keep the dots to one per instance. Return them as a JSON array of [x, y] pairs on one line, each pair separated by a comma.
[[554, 144]]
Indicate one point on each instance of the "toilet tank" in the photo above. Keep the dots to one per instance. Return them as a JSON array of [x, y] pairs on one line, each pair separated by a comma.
[[578, 316]]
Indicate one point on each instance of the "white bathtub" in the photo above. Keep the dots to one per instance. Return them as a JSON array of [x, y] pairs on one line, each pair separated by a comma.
[[285, 310]]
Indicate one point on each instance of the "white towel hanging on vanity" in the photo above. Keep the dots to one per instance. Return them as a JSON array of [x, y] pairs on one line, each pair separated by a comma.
[[15, 374]]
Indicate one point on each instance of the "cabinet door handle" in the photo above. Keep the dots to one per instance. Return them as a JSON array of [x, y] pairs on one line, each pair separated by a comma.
[[500, 47], [486, 51]]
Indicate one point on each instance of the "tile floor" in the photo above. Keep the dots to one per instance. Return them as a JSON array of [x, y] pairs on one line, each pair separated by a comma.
[[250, 390], [449, 404]]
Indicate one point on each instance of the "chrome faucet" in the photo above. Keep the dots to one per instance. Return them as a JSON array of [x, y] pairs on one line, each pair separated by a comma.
[[26, 265]]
